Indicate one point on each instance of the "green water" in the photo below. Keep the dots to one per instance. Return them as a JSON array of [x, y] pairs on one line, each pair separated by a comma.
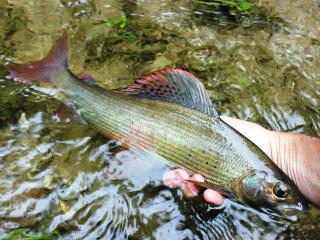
[[259, 63]]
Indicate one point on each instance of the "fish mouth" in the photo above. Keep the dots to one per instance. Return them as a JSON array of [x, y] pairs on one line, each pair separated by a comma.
[[292, 211], [298, 208], [288, 212]]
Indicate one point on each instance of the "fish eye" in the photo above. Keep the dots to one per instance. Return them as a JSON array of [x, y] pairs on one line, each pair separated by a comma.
[[280, 190]]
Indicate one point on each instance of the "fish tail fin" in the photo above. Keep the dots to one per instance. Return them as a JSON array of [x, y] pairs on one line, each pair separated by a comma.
[[42, 70]]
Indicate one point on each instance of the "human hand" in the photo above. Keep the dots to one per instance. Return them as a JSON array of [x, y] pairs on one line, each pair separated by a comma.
[[177, 178], [296, 154]]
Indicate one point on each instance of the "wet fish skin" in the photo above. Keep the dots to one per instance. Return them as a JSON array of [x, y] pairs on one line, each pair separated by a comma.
[[178, 135], [181, 136]]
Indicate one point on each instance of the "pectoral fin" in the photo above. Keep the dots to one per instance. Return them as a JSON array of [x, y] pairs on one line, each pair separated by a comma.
[[211, 186], [67, 113]]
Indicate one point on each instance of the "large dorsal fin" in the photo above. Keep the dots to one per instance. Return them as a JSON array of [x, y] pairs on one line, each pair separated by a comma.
[[172, 85]]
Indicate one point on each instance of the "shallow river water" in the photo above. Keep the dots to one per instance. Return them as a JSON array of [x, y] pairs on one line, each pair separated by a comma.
[[260, 61]]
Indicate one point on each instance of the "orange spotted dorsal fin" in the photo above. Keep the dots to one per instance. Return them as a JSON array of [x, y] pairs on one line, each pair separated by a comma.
[[172, 85]]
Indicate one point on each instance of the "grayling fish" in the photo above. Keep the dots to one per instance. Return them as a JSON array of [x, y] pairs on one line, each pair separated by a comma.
[[167, 115]]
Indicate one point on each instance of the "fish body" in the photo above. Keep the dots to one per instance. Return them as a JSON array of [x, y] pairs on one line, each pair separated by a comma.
[[180, 136], [168, 116]]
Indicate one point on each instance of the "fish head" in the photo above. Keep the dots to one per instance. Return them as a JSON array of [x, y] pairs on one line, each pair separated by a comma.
[[275, 194]]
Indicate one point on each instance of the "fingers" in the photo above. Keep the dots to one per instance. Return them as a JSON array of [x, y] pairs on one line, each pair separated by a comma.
[[213, 197], [174, 178], [191, 190], [177, 178]]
